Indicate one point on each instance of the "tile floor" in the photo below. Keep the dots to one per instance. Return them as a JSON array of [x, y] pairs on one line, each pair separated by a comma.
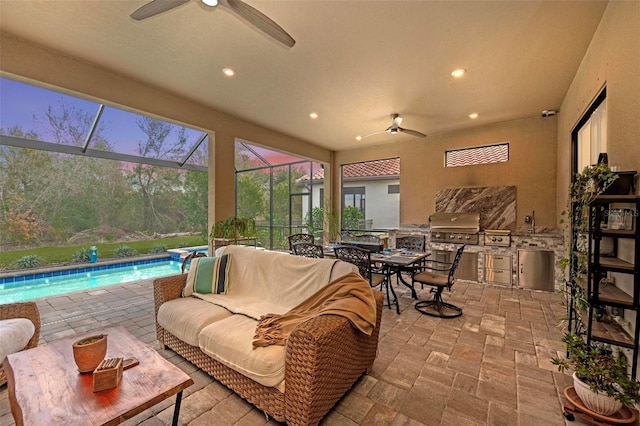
[[489, 366]]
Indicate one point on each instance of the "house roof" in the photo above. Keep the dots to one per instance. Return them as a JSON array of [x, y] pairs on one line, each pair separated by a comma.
[[354, 62], [378, 169]]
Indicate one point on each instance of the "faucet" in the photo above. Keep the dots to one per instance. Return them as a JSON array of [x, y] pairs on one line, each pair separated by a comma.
[[533, 222]]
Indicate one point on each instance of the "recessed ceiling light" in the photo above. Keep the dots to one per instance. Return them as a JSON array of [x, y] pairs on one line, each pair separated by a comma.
[[358, 138], [473, 115], [313, 115], [229, 72], [211, 3], [458, 73]]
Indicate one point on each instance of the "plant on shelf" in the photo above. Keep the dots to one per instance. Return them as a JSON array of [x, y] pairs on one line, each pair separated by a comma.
[[591, 182], [604, 372], [586, 185], [234, 228]]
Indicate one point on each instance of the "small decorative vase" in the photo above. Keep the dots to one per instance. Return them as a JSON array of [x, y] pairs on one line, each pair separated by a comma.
[[89, 352], [597, 402]]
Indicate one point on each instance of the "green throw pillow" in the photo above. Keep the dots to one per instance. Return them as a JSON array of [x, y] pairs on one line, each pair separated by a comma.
[[208, 275]]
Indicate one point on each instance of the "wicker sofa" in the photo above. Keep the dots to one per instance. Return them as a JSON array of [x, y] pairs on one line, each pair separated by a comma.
[[323, 357], [28, 310]]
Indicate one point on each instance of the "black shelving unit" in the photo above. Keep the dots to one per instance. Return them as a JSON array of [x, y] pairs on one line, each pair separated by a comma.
[[600, 295]]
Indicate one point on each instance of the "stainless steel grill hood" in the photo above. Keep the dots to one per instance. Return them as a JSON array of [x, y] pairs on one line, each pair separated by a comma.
[[455, 222], [457, 228]]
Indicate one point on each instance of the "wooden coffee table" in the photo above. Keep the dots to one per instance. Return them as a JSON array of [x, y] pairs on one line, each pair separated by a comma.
[[45, 387]]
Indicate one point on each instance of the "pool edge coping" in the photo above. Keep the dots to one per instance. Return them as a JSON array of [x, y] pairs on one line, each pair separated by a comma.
[[21, 275]]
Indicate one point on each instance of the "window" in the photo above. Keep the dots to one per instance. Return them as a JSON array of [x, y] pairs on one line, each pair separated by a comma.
[[590, 135], [354, 197], [477, 155], [393, 189]]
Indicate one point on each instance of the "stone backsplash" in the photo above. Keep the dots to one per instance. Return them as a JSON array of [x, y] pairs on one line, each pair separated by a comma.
[[496, 204]]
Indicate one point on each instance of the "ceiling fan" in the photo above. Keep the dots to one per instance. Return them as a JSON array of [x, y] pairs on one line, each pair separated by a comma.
[[247, 13], [395, 128]]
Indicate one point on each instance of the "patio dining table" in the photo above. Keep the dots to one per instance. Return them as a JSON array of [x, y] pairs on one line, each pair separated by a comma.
[[393, 263]]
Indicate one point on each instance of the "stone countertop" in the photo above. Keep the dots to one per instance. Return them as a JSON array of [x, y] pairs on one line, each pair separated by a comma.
[[542, 232]]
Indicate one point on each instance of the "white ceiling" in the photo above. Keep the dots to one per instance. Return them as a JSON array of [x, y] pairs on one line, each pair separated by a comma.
[[355, 62]]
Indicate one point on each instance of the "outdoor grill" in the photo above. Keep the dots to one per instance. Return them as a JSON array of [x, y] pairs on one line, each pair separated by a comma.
[[456, 228]]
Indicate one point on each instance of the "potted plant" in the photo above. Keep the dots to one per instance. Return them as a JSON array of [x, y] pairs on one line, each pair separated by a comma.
[[601, 377], [333, 226], [229, 231]]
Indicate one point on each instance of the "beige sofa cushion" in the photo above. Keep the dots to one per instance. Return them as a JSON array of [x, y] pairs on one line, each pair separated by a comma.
[[185, 317], [229, 341], [268, 282], [15, 333], [340, 269]]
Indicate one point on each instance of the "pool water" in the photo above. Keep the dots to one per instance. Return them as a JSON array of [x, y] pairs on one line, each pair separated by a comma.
[[43, 287]]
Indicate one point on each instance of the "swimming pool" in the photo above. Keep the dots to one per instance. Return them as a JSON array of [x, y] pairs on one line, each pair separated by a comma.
[[74, 280]]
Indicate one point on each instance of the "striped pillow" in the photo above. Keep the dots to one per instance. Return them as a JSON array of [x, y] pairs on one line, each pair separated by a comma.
[[208, 275]]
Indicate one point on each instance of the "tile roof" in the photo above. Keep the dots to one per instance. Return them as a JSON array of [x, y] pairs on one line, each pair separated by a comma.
[[389, 167]]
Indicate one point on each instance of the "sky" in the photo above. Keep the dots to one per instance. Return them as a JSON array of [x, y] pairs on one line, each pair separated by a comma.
[[19, 102]]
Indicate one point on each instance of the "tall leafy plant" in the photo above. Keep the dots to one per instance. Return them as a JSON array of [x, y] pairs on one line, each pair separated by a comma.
[[586, 185]]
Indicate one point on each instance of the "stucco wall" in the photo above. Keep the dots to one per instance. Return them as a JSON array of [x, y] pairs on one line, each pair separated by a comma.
[[531, 167], [613, 59]]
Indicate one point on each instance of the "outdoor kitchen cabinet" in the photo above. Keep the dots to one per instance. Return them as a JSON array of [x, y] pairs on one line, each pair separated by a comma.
[[603, 263], [497, 268]]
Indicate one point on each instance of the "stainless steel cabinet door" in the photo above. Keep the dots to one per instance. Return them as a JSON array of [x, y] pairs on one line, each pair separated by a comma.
[[535, 269]]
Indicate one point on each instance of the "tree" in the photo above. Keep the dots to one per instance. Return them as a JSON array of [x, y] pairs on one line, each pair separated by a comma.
[[24, 181], [60, 193], [250, 196], [351, 217], [154, 184], [69, 125], [195, 200]]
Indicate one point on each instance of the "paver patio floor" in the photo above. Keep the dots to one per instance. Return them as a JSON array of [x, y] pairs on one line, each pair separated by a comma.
[[489, 366]]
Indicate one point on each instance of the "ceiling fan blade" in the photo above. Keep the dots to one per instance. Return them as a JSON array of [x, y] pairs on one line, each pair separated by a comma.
[[371, 134], [412, 132], [258, 20], [156, 7]]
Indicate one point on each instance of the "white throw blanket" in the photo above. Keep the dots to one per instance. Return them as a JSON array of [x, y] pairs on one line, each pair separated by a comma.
[[265, 282]]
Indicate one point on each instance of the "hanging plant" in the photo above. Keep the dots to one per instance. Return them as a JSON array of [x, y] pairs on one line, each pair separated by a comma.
[[591, 182], [588, 184]]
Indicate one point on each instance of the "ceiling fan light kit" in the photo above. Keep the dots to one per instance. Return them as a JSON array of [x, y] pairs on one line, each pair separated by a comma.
[[395, 129], [240, 9]]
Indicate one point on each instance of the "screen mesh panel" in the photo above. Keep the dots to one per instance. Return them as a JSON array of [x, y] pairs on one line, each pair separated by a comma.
[[477, 155]]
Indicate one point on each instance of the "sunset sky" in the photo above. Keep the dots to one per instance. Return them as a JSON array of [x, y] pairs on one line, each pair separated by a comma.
[[19, 102]]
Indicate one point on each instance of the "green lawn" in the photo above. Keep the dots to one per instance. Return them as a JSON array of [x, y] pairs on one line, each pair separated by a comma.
[[107, 250]]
